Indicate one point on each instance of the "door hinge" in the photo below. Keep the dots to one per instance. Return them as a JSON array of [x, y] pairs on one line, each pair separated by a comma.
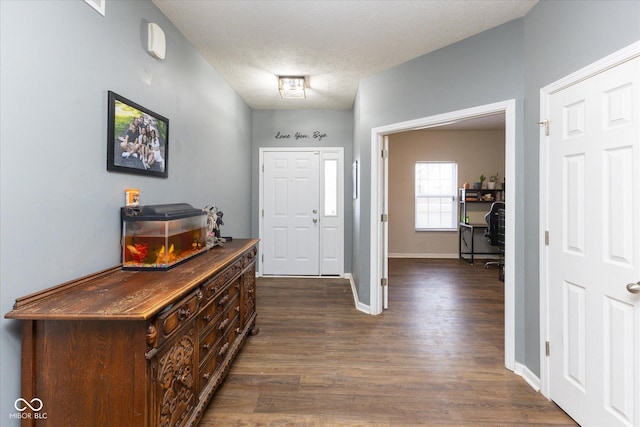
[[263, 167], [546, 238], [262, 258], [547, 348], [385, 154], [546, 126], [263, 212], [383, 282], [384, 218]]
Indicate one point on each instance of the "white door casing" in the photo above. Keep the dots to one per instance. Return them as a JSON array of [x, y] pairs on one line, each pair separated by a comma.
[[378, 245], [301, 225], [590, 206], [384, 262]]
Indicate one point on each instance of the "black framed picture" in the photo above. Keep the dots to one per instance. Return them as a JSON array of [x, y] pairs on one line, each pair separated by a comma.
[[137, 138]]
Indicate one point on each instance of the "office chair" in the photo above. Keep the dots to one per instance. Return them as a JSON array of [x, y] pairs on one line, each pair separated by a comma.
[[493, 232]]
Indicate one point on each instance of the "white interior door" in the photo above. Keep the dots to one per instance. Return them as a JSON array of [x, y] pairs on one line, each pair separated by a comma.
[[594, 247], [290, 213]]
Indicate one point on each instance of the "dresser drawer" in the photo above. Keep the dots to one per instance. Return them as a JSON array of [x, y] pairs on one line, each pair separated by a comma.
[[217, 283], [231, 311], [228, 338], [219, 326], [209, 314], [228, 297], [249, 257], [218, 353], [169, 321], [208, 367], [208, 343], [234, 330]]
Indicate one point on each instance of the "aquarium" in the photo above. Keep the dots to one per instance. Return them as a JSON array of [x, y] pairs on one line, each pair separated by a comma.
[[158, 237]]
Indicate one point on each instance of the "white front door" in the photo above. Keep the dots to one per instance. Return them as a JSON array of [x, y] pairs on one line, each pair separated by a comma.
[[302, 223], [291, 204], [594, 247]]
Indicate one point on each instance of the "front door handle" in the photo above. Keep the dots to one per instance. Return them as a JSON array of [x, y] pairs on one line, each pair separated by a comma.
[[634, 288]]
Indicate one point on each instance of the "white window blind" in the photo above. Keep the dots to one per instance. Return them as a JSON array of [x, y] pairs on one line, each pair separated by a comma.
[[436, 184]]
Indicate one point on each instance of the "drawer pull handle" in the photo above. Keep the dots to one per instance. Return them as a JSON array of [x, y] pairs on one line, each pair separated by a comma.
[[223, 300], [223, 350], [207, 318], [206, 347], [183, 313], [206, 376], [223, 324]]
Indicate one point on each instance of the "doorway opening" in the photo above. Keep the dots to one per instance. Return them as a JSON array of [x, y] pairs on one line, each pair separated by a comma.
[[379, 199]]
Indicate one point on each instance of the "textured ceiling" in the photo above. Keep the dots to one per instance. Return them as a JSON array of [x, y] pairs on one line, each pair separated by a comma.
[[334, 43]]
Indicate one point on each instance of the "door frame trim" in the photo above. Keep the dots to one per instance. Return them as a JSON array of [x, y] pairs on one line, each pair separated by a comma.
[[377, 186], [261, 151], [630, 52]]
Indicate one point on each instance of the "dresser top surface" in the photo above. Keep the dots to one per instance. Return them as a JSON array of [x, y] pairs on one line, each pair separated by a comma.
[[116, 294]]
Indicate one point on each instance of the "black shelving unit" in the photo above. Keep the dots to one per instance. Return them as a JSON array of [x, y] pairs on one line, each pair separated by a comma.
[[468, 196], [468, 229]]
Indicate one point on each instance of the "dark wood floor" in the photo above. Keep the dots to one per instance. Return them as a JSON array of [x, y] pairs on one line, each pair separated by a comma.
[[436, 357]]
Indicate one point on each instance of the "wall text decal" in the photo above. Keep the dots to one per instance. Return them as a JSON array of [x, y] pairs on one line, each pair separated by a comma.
[[317, 135]]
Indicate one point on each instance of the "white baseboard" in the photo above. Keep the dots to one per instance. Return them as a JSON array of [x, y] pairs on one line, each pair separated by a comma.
[[359, 306], [421, 255], [528, 376], [436, 256]]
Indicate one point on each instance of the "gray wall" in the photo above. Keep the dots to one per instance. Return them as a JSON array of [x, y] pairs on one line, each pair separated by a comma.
[[337, 128], [480, 70], [509, 62], [59, 206]]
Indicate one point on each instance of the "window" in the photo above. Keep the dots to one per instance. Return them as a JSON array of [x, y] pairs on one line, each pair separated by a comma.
[[330, 187], [436, 195]]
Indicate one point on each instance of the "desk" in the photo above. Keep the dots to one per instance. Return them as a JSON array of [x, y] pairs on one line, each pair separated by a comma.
[[470, 229]]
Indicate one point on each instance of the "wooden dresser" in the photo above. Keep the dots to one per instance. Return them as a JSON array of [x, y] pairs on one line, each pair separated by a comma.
[[137, 348]]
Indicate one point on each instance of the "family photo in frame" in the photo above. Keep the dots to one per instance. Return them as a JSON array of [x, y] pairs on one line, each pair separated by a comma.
[[138, 138]]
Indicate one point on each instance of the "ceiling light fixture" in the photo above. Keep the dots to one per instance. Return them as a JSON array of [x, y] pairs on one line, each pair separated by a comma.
[[291, 87]]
